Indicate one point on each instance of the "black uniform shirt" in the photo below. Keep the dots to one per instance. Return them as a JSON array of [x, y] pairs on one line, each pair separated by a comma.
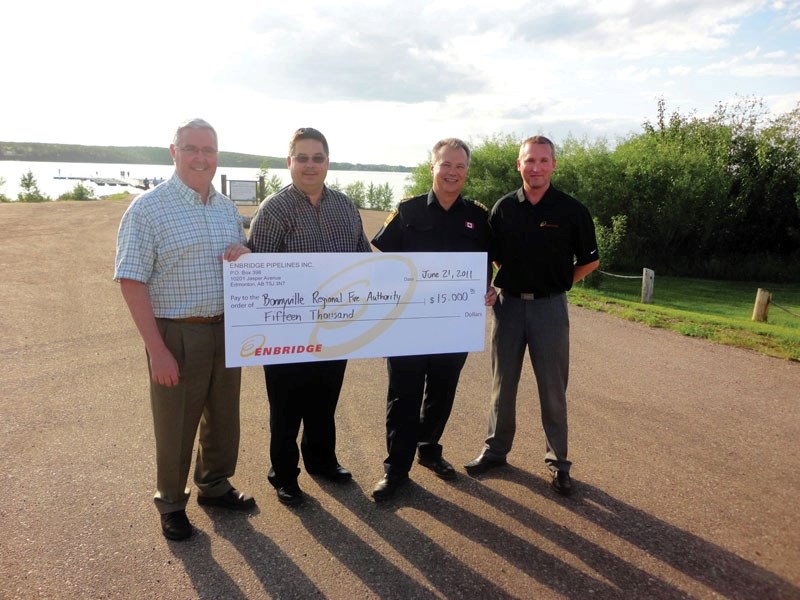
[[537, 246], [420, 224]]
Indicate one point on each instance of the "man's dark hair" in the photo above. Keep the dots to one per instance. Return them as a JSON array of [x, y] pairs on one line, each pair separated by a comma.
[[308, 133]]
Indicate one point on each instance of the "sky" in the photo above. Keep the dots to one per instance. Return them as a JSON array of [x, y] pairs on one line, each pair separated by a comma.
[[383, 80]]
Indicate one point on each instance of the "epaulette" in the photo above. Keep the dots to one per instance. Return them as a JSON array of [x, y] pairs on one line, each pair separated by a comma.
[[476, 203]]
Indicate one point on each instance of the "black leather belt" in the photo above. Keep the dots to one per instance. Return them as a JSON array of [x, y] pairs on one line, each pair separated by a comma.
[[528, 295]]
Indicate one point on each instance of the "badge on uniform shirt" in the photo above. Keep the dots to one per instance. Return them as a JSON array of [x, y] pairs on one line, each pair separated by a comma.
[[469, 225]]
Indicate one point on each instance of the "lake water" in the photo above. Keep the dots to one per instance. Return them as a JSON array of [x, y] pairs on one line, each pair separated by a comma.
[[47, 172]]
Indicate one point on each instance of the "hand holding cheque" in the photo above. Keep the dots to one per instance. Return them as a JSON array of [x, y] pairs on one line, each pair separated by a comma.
[[283, 308]]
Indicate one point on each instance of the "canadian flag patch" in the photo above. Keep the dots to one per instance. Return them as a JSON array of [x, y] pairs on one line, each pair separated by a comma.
[[469, 225]]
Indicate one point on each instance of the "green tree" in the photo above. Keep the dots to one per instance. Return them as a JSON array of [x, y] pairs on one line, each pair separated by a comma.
[[272, 183], [380, 197], [609, 246], [3, 197], [79, 192], [357, 192], [30, 189], [420, 180], [717, 196]]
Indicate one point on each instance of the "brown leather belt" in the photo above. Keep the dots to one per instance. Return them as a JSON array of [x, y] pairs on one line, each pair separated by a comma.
[[528, 295], [204, 320]]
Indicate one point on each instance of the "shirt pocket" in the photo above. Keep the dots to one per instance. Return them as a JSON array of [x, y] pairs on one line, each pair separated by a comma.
[[420, 236]]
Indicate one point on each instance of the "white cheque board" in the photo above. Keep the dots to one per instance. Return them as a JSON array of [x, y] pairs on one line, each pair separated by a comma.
[[282, 308]]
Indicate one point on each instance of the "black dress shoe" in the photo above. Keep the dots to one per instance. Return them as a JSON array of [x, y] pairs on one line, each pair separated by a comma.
[[291, 495], [175, 525], [233, 499], [562, 483], [483, 463], [387, 487], [337, 474], [438, 465]]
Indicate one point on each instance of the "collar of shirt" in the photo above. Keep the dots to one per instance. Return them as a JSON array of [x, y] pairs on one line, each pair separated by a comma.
[[188, 194], [433, 200], [547, 198], [300, 193]]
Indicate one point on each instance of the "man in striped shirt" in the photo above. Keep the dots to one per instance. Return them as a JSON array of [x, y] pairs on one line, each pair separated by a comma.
[[170, 247]]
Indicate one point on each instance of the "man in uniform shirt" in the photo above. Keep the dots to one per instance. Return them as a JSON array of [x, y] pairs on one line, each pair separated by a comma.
[[170, 248], [545, 241], [305, 216], [422, 388]]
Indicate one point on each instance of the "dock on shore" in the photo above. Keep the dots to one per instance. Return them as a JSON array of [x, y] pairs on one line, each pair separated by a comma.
[[141, 184]]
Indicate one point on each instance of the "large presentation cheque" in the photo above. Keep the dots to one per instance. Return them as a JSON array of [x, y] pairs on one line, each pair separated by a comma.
[[283, 308]]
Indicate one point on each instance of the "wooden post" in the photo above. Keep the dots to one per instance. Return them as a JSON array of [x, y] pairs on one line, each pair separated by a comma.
[[223, 187], [762, 305], [648, 279]]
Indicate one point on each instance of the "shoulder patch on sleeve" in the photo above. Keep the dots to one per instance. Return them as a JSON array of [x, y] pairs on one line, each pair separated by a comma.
[[391, 216]]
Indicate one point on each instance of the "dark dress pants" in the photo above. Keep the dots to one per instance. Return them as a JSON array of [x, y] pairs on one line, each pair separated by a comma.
[[304, 393], [418, 405]]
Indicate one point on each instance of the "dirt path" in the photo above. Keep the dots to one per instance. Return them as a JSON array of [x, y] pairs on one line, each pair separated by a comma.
[[685, 453]]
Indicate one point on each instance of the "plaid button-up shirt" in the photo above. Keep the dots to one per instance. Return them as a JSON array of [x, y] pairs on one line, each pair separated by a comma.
[[171, 241], [288, 222]]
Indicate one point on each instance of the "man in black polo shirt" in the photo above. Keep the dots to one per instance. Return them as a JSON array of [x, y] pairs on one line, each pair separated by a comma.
[[422, 388], [545, 242]]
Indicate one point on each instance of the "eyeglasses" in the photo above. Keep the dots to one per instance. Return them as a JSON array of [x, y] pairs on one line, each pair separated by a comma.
[[304, 158], [205, 150]]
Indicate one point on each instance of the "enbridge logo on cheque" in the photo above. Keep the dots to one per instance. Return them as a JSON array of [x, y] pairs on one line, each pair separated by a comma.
[[256, 345]]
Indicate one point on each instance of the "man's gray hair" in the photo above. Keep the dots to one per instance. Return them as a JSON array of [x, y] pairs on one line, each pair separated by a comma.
[[194, 124], [449, 143]]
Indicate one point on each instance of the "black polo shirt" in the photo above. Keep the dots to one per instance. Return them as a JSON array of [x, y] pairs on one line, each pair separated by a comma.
[[420, 224], [537, 246]]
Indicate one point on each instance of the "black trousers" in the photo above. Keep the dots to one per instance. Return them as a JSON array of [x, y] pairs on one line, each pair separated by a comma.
[[304, 393], [420, 399]]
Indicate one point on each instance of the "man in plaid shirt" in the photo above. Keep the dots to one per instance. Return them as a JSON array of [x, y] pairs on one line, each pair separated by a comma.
[[305, 216], [170, 247]]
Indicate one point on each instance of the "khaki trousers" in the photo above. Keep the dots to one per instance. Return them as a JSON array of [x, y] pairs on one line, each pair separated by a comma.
[[207, 396]]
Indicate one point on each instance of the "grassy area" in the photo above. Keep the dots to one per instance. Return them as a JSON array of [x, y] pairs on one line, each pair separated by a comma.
[[719, 311]]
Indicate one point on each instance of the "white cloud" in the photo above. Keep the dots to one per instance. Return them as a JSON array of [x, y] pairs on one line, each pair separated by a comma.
[[680, 70], [382, 79]]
